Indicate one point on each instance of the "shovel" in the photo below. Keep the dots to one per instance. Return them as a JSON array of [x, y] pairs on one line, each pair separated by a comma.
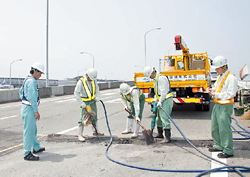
[[146, 133]]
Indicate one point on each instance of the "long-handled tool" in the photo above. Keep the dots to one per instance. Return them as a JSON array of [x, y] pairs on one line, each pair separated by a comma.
[[153, 117], [89, 118], [94, 125], [146, 133]]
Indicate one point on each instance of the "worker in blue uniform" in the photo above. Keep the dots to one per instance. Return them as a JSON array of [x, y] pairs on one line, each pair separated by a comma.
[[29, 112]]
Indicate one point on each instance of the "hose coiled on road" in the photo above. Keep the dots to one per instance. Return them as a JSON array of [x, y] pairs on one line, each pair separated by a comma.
[[202, 172], [212, 170], [244, 132]]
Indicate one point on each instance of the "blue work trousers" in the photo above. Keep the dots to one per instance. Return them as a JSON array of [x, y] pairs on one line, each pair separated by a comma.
[[29, 130]]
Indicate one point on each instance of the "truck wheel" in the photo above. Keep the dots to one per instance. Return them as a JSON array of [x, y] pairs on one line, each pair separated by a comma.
[[236, 98], [198, 107], [206, 107]]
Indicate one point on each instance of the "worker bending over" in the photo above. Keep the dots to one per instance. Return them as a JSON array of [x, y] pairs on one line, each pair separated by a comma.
[[223, 92], [29, 112], [136, 99], [163, 97], [87, 93]]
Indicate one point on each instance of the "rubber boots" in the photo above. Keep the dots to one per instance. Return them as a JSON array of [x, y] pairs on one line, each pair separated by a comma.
[[94, 131], [167, 134], [129, 126], [160, 133], [137, 127], [80, 131]]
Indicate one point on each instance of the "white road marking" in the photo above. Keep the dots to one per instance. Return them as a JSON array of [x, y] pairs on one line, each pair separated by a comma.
[[68, 100], [55, 99], [118, 100], [11, 106], [68, 130], [217, 165], [8, 117], [113, 93], [107, 97], [110, 91]]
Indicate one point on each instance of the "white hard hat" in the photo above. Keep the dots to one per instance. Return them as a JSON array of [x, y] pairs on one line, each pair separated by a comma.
[[38, 66], [148, 71], [92, 73], [124, 88], [219, 61]]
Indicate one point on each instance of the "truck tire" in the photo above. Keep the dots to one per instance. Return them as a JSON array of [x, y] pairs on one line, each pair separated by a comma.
[[198, 107], [179, 104], [206, 107], [236, 98]]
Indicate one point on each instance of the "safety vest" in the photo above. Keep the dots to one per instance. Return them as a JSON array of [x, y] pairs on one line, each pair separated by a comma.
[[90, 96], [24, 99], [219, 101], [156, 88], [134, 87]]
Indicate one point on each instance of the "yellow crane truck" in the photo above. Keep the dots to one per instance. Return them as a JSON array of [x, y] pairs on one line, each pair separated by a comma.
[[189, 76]]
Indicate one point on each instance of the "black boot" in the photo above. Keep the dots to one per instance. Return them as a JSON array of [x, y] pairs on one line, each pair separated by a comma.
[[167, 134], [160, 133], [39, 150], [31, 157]]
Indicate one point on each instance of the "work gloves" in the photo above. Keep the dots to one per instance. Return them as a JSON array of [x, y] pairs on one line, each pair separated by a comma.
[[159, 104], [83, 105], [154, 100], [137, 119], [97, 99], [126, 109]]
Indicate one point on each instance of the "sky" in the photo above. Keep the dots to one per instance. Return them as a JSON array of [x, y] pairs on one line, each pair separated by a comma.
[[113, 31]]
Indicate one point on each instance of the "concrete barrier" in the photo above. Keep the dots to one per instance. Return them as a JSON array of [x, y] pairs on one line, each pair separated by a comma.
[[57, 90], [45, 92], [110, 85], [9, 95], [103, 86], [68, 89], [13, 94]]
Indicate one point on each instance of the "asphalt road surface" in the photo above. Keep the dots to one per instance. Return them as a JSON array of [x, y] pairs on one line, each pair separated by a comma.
[[65, 156]]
